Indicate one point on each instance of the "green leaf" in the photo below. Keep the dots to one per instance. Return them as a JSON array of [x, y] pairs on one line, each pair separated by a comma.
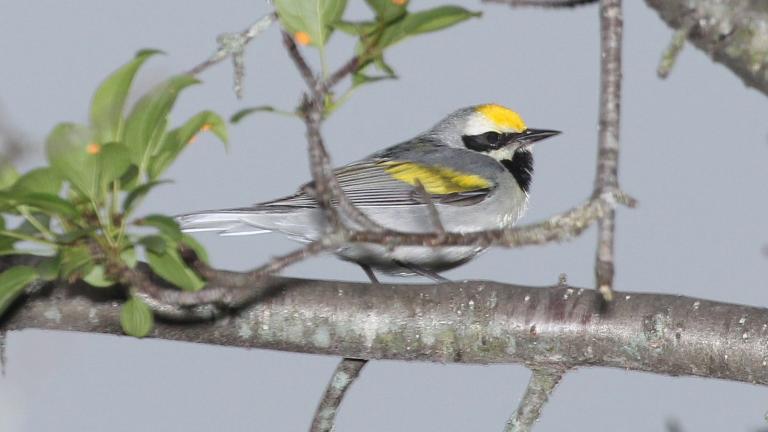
[[76, 234], [6, 243], [47, 203], [154, 243], [29, 229], [176, 140], [8, 175], [97, 277], [361, 78], [172, 268], [429, 20], [148, 119], [114, 161], [435, 19], [384, 67], [236, 117], [192, 243], [73, 153], [387, 10], [88, 165], [75, 261], [109, 100], [44, 180], [136, 195], [313, 17], [12, 284], [356, 28], [130, 178], [166, 225], [48, 268], [136, 318], [128, 256]]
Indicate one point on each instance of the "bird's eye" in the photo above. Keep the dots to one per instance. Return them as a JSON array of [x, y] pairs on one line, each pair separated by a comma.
[[492, 137]]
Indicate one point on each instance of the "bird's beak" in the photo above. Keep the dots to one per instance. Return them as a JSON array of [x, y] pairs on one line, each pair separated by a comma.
[[530, 136]]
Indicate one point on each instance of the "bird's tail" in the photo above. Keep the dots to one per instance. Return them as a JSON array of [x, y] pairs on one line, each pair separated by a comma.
[[230, 222]]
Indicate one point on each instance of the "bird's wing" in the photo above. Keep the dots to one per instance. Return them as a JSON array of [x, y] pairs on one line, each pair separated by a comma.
[[386, 182]]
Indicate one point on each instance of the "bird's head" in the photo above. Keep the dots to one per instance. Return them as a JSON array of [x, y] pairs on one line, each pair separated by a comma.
[[490, 129]]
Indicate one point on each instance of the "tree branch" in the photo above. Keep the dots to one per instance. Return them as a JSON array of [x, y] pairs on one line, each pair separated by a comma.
[[233, 45], [298, 60], [733, 33], [345, 374], [543, 3], [463, 322], [606, 175], [541, 385]]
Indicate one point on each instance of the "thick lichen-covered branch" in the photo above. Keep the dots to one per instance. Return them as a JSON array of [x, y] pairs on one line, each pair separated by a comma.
[[732, 32], [466, 322]]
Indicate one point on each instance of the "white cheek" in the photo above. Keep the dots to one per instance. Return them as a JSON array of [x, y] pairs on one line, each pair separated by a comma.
[[502, 153]]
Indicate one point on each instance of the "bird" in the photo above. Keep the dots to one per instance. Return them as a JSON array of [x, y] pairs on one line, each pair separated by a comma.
[[475, 166]]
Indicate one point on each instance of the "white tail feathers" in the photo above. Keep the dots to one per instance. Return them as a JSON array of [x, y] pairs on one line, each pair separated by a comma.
[[227, 223]]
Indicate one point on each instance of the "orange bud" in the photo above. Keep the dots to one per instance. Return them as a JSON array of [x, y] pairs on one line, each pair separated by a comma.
[[93, 148], [302, 38], [206, 127], [193, 139], [399, 2]]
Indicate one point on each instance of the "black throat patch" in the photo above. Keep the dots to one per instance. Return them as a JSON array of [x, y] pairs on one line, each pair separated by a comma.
[[521, 168]]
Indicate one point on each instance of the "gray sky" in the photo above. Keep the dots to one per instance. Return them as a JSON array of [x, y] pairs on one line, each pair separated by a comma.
[[694, 151]]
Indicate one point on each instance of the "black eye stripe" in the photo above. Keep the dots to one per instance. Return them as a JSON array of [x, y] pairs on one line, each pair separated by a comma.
[[489, 141], [492, 137]]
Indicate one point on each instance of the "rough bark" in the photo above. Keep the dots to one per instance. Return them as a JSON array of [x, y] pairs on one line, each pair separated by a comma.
[[462, 322], [732, 32]]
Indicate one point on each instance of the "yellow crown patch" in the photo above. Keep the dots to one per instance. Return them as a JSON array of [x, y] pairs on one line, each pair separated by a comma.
[[502, 117]]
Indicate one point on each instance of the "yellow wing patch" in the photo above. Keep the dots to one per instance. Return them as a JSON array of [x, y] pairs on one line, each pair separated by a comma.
[[503, 117], [435, 179]]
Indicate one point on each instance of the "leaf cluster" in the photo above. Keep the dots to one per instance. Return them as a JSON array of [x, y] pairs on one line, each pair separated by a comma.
[[312, 22], [78, 212]]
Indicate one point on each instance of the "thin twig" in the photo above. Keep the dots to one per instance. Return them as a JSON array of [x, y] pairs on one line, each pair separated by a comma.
[[560, 227], [543, 3], [326, 188], [319, 162], [434, 216], [341, 73], [606, 177], [676, 45], [304, 69], [541, 385], [345, 374], [224, 291], [224, 288], [225, 50], [233, 45]]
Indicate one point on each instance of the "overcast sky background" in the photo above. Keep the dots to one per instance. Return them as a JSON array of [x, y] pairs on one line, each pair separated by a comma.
[[694, 152]]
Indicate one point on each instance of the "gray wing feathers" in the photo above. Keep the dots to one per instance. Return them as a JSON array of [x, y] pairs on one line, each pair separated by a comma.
[[366, 184]]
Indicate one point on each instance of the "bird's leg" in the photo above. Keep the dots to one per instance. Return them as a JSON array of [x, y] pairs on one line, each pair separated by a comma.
[[369, 272], [422, 272]]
